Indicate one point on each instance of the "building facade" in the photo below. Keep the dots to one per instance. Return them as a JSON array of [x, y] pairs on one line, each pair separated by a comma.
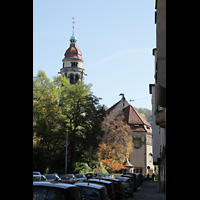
[[141, 158], [158, 91]]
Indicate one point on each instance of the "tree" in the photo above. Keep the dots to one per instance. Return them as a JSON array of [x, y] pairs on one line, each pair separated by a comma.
[[116, 143], [146, 113], [58, 105]]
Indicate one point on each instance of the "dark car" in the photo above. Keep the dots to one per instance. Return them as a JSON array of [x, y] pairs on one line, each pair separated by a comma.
[[90, 175], [118, 187], [52, 177], [91, 191], [39, 178], [109, 186], [52, 191], [127, 185], [133, 179]]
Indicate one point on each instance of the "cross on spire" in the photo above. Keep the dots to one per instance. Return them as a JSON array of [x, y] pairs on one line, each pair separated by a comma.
[[73, 21]]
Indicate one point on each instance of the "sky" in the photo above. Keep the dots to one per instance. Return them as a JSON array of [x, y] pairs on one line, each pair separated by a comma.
[[115, 37]]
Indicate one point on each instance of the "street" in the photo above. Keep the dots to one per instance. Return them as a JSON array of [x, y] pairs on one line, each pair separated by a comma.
[[148, 191]]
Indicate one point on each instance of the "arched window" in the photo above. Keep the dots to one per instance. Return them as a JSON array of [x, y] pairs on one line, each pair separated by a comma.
[[76, 78], [72, 78]]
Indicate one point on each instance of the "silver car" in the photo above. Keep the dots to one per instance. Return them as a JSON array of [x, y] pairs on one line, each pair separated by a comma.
[[81, 177]]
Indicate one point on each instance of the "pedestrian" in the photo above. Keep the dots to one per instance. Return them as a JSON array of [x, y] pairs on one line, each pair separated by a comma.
[[152, 177], [148, 177]]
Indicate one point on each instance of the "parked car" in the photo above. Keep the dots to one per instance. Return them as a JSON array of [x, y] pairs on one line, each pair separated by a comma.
[[139, 179], [91, 191], [90, 175], [118, 187], [52, 177], [72, 178], [127, 185], [133, 179], [109, 186], [64, 178], [98, 175], [107, 176], [36, 173], [39, 178], [80, 177], [52, 191]]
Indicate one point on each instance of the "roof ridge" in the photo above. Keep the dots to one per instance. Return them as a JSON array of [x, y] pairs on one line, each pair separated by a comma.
[[144, 121]]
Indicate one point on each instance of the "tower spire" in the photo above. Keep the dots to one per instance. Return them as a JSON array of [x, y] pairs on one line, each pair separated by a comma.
[[73, 37]]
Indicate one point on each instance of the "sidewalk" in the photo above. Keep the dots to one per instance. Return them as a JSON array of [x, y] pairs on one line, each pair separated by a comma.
[[148, 190]]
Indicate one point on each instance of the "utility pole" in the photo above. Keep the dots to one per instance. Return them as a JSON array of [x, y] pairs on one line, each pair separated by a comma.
[[66, 152]]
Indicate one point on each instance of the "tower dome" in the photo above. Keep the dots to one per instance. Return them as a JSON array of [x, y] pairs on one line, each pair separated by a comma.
[[73, 63], [73, 51]]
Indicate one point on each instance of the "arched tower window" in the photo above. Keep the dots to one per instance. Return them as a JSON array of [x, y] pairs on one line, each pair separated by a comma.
[[72, 78], [76, 78]]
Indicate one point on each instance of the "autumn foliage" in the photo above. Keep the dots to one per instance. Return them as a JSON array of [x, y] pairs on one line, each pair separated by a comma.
[[116, 143]]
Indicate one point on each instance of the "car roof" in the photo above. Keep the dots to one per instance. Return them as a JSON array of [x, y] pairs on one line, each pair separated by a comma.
[[122, 177], [111, 179], [55, 185], [37, 175], [91, 185], [98, 180]]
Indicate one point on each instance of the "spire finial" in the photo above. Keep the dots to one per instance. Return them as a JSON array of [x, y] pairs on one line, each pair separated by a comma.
[[73, 24], [73, 38]]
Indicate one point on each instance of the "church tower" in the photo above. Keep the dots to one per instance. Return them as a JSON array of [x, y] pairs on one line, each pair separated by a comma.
[[72, 62]]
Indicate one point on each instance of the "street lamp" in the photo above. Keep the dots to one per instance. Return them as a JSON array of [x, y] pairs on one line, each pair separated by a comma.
[[66, 152]]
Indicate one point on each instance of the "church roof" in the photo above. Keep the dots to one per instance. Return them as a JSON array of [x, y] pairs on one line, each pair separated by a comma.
[[131, 116]]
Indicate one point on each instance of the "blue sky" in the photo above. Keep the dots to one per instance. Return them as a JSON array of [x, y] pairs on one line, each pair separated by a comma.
[[115, 37]]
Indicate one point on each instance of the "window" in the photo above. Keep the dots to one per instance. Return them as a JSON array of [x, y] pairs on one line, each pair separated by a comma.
[[76, 78], [74, 64], [39, 193], [89, 192], [72, 78], [55, 194]]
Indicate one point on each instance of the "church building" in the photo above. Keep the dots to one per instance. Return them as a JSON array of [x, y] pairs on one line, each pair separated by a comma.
[[141, 158], [72, 67]]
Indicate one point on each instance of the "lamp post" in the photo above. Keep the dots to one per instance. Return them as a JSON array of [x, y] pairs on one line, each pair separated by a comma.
[[66, 152]]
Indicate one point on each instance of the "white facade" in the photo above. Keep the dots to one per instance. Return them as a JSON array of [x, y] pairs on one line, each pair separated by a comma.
[[76, 71]]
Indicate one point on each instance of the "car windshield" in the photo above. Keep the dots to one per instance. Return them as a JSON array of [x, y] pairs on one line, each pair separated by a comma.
[[36, 178], [63, 177], [79, 175], [50, 176], [70, 175], [121, 178]]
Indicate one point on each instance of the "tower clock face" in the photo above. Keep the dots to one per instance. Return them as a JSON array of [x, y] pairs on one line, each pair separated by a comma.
[[137, 142]]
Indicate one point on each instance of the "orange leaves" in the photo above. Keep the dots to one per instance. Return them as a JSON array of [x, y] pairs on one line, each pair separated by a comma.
[[116, 143], [113, 165]]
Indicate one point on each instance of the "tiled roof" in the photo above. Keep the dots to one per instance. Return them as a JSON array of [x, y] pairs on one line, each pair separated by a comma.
[[133, 118]]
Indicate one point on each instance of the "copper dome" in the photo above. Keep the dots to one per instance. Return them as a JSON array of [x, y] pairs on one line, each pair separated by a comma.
[[73, 52]]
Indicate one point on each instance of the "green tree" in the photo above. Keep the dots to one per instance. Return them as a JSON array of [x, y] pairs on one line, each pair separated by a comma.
[[58, 105]]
